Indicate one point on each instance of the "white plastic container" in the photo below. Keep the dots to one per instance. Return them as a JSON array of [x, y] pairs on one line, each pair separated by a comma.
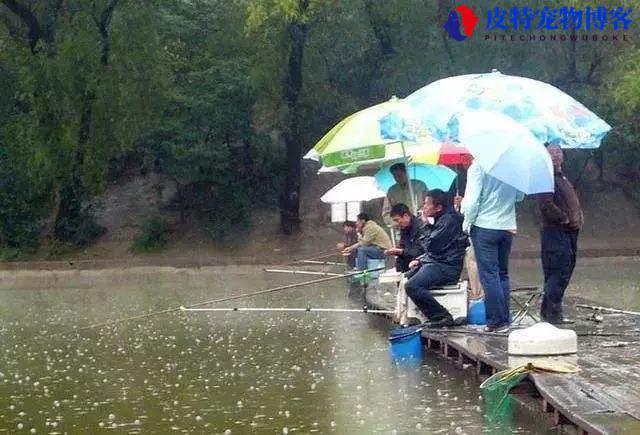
[[542, 339], [520, 360], [453, 298]]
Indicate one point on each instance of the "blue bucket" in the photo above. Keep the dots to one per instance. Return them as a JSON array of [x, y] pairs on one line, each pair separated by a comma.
[[477, 314], [406, 343]]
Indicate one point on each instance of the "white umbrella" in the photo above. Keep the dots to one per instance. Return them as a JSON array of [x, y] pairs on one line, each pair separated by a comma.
[[354, 190], [507, 150]]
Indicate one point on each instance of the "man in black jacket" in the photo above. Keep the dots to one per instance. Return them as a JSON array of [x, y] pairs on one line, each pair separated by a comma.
[[562, 219], [444, 245], [410, 231]]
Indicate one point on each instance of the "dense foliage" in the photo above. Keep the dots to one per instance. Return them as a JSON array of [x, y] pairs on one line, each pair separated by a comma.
[[225, 96]]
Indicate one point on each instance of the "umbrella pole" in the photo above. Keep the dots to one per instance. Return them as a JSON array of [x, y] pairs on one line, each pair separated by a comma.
[[406, 164]]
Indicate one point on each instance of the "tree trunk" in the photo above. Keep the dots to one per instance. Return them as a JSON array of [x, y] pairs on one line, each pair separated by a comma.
[[34, 29], [290, 199], [102, 23], [37, 29], [375, 58], [73, 195], [247, 158], [381, 29]]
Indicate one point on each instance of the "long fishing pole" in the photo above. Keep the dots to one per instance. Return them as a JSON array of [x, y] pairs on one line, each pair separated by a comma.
[[228, 298], [608, 310], [326, 263], [285, 309], [318, 256], [303, 272]]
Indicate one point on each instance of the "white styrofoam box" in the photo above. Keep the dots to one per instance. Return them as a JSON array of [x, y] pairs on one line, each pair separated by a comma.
[[453, 298], [338, 212], [373, 264], [390, 276], [542, 339], [353, 210], [342, 211]]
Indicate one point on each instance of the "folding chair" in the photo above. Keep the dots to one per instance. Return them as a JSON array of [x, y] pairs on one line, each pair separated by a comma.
[[526, 300]]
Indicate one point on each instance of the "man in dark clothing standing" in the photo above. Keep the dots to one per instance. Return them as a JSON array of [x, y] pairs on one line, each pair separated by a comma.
[[562, 219], [444, 246], [410, 246]]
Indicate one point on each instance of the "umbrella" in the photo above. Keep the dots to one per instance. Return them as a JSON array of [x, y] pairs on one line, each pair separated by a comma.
[[356, 141], [354, 190], [550, 114], [506, 150], [435, 177], [449, 154]]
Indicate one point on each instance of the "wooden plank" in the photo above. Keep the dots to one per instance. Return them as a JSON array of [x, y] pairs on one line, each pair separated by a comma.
[[604, 397]]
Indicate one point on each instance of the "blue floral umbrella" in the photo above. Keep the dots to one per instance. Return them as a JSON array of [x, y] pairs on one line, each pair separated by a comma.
[[550, 114], [434, 176]]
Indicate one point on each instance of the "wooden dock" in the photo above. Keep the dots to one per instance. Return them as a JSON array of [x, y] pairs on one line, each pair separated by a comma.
[[602, 398]]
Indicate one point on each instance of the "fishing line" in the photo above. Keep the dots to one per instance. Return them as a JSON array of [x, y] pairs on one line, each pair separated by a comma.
[[608, 310], [285, 309], [228, 298]]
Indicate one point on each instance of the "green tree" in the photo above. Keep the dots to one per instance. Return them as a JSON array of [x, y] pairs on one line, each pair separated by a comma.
[[283, 26], [89, 78]]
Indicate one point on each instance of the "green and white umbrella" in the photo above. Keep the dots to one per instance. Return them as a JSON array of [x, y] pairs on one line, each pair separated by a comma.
[[356, 141]]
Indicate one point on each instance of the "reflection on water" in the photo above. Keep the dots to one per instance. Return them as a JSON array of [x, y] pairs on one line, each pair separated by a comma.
[[215, 372]]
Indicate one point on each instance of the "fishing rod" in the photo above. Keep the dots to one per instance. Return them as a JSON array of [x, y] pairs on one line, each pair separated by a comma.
[[608, 310], [327, 263], [303, 272], [318, 256], [285, 309], [228, 298]]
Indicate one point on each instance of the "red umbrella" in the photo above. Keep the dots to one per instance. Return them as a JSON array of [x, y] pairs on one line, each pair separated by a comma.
[[454, 154]]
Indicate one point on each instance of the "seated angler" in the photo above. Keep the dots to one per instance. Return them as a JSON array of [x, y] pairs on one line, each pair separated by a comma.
[[410, 230], [349, 237], [372, 244], [444, 245]]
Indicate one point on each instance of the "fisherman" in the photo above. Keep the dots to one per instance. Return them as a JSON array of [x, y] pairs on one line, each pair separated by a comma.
[[444, 246], [399, 193], [372, 243], [562, 218], [410, 231], [489, 208], [349, 237]]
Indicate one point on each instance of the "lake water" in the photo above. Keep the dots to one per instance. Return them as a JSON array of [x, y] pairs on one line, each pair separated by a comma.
[[230, 371]]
